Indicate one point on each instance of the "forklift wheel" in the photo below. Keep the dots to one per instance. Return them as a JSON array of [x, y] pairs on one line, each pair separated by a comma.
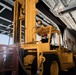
[[51, 65], [54, 69]]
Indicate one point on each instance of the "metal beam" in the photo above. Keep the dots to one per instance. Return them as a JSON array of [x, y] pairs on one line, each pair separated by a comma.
[[3, 25], [68, 9], [5, 6], [5, 19], [6, 27], [2, 30], [2, 9], [10, 2]]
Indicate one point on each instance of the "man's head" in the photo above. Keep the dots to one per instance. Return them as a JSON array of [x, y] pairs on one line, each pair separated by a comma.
[[44, 36]]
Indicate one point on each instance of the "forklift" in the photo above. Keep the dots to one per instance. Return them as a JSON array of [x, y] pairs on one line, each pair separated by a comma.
[[38, 57]]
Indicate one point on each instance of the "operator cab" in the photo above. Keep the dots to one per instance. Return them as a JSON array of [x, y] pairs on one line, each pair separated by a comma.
[[48, 34], [43, 32]]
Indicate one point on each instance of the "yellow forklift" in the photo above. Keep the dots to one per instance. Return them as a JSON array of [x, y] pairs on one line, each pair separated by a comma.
[[38, 57]]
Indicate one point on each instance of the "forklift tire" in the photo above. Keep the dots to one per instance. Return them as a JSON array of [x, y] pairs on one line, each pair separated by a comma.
[[51, 65]]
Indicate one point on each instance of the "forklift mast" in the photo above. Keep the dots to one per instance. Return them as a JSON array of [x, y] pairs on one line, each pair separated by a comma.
[[24, 16]]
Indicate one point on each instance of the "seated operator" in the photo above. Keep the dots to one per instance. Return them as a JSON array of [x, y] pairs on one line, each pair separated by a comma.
[[44, 38]]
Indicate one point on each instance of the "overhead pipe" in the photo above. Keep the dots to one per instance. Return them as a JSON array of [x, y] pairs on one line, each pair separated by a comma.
[[56, 3], [51, 22]]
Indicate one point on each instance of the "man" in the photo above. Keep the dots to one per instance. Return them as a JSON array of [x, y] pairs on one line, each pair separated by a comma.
[[44, 38]]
